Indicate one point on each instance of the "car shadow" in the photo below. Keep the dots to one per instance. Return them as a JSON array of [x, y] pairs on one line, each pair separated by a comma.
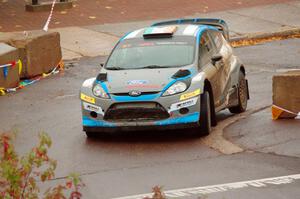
[[144, 136], [154, 136]]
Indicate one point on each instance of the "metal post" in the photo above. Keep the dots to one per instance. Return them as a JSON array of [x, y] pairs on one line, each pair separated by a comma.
[[35, 2]]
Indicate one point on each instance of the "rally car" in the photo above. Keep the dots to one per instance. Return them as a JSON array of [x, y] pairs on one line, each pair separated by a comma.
[[171, 75]]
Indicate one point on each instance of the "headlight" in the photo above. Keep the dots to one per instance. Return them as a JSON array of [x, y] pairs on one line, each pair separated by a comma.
[[99, 91], [178, 87]]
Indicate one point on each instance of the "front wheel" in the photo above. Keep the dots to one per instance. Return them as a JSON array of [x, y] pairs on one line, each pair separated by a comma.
[[242, 95], [90, 134], [205, 114]]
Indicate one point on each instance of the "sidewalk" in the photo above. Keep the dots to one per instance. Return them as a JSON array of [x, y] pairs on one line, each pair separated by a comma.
[[95, 40], [268, 18], [13, 16]]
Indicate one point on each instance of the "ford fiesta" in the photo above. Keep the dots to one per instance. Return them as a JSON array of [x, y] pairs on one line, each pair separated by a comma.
[[174, 74]]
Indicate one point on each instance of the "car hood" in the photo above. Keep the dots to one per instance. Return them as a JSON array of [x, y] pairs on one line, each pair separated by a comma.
[[143, 80]]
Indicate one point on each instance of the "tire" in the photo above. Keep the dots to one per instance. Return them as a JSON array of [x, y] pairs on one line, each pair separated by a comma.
[[205, 114], [90, 134], [242, 95]]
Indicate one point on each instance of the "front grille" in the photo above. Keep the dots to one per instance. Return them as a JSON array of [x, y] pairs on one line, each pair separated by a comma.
[[142, 93], [143, 111]]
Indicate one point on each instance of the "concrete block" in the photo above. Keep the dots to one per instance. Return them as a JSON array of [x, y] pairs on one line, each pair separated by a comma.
[[9, 54], [39, 51], [46, 6], [86, 42], [286, 94]]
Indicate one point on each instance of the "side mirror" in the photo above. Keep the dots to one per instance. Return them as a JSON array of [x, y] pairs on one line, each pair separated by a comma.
[[216, 58], [101, 65]]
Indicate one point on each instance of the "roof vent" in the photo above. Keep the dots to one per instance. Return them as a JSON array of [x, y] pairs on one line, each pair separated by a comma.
[[181, 73], [154, 32]]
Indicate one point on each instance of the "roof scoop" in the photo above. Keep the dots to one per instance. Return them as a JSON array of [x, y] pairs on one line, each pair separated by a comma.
[[156, 32], [181, 73]]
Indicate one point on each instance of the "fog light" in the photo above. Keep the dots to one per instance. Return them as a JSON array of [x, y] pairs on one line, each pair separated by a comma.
[[93, 114], [183, 111]]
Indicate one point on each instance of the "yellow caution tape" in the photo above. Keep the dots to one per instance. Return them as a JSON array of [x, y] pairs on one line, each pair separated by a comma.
[[2, 91], [61, 65], [46, 75], [20, 66]]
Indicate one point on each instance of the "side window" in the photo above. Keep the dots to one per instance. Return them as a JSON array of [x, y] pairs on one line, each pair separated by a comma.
[[217, 39], [205, 49]]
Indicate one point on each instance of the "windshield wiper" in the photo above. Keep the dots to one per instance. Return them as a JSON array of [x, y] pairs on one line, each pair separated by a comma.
[[155, 66], [115, 68]]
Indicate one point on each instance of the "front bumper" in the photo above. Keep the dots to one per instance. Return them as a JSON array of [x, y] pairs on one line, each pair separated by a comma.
[[187, 121], [172, 105], [138, 128]]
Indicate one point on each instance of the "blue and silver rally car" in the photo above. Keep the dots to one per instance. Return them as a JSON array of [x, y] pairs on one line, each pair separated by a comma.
[[173, 74]]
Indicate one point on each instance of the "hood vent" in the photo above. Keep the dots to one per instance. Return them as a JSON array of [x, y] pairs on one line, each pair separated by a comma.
[[102, 77], [181, 73]]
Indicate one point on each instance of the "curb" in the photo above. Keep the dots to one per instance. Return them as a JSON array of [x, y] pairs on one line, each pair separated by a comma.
[[217, 140], [254, 38], [250, 38]]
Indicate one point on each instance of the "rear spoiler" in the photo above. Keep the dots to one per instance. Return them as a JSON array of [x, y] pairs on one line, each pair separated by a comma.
[[220, 24]]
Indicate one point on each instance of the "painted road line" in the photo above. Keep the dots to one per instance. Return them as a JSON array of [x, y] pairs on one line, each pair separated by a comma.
[[176, 193]]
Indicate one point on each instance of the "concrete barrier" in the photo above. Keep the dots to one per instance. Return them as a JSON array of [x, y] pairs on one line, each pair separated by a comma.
[[9, 75], [286, 95], [46, 6], [39, 51]]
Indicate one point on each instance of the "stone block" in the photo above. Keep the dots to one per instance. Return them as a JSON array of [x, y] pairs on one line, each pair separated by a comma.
[[9, 75], [286, 94], [39, 51]]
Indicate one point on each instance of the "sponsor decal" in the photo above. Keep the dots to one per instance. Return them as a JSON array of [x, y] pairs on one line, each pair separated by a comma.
[[133, 34], [190, 30], [184, 104], [137, 82], [126, 46], [94, 108], [143, 86], [190, 95], [147, 44], [87, 98]]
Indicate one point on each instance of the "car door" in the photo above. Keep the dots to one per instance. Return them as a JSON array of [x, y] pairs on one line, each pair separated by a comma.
[[223, 66], [206, 51]]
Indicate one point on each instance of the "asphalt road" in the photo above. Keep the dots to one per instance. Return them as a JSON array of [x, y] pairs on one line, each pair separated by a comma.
[[131, 163]]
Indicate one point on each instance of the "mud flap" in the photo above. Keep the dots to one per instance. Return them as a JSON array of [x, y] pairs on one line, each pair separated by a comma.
[[233, 97], [248, 94]]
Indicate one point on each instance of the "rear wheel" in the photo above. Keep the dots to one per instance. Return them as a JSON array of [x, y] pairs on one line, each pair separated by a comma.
[[242, 95], [205, 114]]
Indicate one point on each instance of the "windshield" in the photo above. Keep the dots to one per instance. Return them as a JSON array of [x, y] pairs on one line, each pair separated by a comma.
[[152, 53]]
